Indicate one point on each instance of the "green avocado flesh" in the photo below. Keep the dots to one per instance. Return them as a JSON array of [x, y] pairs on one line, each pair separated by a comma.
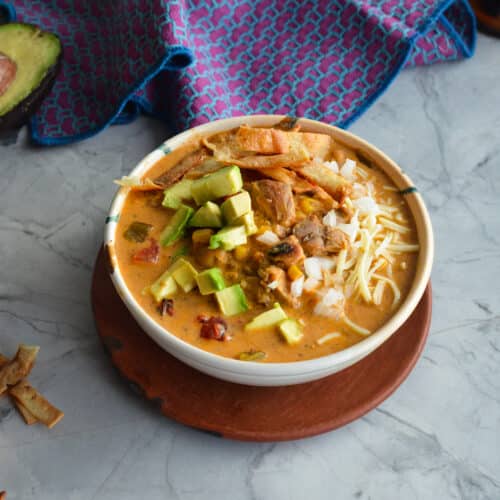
[[35, 55]]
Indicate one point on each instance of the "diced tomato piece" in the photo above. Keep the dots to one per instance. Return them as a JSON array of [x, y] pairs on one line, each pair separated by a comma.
[[213, 328], [148, 255]]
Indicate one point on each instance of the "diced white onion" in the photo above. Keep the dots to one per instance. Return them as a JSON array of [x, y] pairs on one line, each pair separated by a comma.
[[273, 285], [347, 169], [332, 165], [297, 286], [330, 219], [310, 284], [328, 337], [350, 229], [268, 238], [332, 297], [314, 266], [366, 205], [331, 304]]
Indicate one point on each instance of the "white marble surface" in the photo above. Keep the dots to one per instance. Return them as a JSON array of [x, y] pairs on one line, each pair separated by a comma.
[[437, 437]]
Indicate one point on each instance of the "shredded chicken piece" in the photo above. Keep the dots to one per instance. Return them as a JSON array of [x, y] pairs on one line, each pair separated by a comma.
[[335, 240], [287, 252], [310, 234], [275, 200], [300, 185], [319, 239], [277, 277]]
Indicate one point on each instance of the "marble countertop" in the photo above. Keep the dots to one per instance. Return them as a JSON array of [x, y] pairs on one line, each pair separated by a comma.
[[437, 437]]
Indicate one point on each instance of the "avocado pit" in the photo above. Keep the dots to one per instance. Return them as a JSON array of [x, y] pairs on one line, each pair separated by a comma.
[[8, 70]]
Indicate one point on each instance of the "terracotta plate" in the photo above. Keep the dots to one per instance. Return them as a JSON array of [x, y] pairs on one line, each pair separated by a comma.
[[253, 413]]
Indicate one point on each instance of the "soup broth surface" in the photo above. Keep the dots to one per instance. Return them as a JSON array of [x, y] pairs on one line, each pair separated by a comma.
[[378, 243]]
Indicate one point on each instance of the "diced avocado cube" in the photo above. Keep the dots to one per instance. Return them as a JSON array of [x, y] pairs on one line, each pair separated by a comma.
[[267, 319], [291, 330], [224, 182], [174, 195], [184, 274], [236, 206], [164, 287], [209, 215], [247, 220], [228, 238], [175, 228], [232, 300], [210, 281]]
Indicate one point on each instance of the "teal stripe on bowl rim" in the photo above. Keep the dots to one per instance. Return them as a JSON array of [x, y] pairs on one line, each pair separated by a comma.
[[112, 218], [164, 149], [408, 190]]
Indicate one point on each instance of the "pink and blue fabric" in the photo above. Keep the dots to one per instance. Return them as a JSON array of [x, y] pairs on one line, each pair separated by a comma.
[[191, 61]]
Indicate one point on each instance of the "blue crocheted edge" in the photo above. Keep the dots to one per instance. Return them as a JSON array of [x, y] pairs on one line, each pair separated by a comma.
[[10, 12], [119, 118], [438, 15]]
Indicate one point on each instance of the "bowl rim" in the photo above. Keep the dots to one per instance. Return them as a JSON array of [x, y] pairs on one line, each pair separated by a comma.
[[276, 370]]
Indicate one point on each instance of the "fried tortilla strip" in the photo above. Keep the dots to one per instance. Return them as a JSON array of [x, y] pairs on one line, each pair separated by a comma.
[[19, 367], [272, 141], [137, 184], [332, 183], [25, 413], [3, 360], [189, 162], [36, 404], [250, 147], [262, 140], [300, 185], [207, 167], [319, 145], [291, 160]]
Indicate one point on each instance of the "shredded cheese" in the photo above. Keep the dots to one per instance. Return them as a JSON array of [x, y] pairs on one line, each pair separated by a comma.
[[403, 247], [353, 326], [395, 289], [328, 337], [393, 225]]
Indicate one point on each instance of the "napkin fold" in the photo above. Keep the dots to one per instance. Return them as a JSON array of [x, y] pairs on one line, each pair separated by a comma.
[[190, 61]]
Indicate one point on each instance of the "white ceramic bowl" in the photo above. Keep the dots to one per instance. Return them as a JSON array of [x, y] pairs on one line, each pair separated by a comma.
[[274, 374]]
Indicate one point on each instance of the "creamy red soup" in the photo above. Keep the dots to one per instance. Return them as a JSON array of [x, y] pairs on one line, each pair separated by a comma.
[[267, 244]]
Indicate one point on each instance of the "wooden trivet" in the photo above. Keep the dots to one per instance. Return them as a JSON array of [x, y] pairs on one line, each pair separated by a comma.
[[253, 413]]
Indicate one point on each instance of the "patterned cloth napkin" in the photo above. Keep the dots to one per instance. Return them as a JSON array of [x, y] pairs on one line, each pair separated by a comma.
[[191, 61]]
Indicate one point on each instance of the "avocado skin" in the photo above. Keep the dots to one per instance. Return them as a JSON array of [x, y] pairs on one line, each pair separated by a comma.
[[20, 114]]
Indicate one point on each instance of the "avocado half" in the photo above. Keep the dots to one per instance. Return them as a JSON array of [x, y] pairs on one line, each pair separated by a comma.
[[29, 62]]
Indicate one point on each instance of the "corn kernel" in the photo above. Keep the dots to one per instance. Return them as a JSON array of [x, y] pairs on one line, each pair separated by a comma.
[[241, 252], [263, 229], [310, 205], [294, 272], [201, 236]]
